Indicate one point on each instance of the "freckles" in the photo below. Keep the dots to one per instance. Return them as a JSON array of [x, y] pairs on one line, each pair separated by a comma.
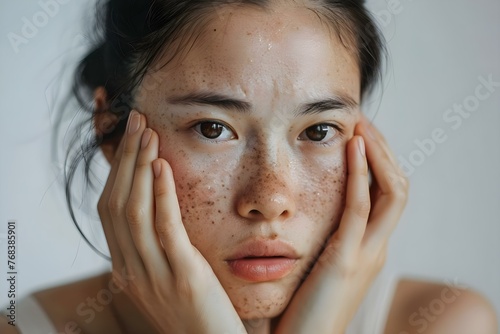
[[193, 199], [204, 72], [258, 308], [266, 182], [325, 194], [201, 204]]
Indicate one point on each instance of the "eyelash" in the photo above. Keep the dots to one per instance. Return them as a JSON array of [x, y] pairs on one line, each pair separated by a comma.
[[321, 143], [331, 141], [211, 141]]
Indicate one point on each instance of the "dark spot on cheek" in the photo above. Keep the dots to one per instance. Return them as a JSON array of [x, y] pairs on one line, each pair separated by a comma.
[[193, 185], [323, 199]]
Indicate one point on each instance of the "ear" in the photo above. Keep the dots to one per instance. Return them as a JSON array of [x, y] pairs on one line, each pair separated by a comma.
[[104, 122]]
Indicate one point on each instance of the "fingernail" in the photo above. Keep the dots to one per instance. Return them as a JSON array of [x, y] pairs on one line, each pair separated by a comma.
[[361, 146], [157, 168], [134, 122], [146, 137]]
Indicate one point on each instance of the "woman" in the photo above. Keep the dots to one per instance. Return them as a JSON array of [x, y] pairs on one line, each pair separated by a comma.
[[238, 198]]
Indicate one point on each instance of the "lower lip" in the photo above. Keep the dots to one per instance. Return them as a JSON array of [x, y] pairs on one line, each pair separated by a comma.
[[262, 269]]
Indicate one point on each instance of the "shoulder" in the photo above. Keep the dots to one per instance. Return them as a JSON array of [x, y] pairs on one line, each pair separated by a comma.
[[426, 305], [74, 305], [61, 304], [5, 328]]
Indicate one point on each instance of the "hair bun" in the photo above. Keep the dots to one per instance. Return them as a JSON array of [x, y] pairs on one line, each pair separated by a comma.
[[93, 70]]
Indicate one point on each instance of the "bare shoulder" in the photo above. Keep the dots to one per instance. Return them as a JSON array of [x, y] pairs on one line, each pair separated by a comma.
[[5, 327], [65, 304], [437, 307], [74, 305]]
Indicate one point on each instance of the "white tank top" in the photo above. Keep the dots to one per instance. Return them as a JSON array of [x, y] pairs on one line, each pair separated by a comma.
[[369, 319]]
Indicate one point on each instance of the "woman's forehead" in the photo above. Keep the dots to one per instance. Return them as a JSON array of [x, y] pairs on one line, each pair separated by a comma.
[[252, 53]]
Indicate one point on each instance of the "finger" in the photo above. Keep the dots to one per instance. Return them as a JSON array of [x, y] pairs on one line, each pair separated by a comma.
[[105, 215], [121, 191], [388, 206], [140, 209], [168, 220], [380, 162], [357, 208], [374, 132]]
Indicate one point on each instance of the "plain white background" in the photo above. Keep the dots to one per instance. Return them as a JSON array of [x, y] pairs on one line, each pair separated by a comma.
[[450, 231]]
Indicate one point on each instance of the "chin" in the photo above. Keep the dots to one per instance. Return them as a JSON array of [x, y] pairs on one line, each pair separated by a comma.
[[262, 300], [264, 311]]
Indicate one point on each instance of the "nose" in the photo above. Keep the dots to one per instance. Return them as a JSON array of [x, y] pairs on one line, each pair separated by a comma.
[[268, 191]]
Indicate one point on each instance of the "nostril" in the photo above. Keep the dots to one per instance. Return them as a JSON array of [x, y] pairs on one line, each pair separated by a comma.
[[257, 212]]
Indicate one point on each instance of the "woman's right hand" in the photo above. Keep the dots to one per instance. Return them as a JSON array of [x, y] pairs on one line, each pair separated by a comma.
[[170, 282]]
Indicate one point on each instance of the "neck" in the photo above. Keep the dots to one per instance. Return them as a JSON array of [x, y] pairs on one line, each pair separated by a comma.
[[257, 326], [129, 317]]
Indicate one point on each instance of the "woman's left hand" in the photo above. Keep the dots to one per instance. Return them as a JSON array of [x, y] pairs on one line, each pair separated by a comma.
[[328, 299]]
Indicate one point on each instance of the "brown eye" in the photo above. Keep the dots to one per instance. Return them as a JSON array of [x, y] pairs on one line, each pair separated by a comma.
[[318, 132], [213, 130]]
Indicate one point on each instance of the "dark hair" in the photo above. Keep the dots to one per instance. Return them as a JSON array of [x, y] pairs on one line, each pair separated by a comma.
[[132, 35]]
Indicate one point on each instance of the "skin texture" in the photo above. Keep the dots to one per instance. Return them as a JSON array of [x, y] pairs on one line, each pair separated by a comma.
[[263, 177], [263, 182]]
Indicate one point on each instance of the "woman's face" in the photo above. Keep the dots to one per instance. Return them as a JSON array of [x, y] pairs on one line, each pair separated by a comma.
[[260, 170]]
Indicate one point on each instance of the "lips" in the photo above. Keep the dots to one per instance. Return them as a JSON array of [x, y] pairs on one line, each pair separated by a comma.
[[263, 260]]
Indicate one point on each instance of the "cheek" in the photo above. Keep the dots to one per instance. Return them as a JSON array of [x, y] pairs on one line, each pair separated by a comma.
[[326, 192], [323, 198], [203, 190]]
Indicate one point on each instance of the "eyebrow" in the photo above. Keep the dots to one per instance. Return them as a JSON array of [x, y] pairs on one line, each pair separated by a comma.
[[337, 102]]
